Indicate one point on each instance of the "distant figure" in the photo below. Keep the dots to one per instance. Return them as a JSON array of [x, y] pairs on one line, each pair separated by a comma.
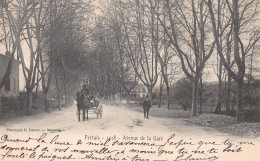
[[146, 106]]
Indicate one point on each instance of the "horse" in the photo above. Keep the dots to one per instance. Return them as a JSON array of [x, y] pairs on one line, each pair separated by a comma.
[[83, 103]]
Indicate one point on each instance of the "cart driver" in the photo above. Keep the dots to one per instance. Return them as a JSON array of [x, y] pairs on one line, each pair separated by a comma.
[[85, 91]]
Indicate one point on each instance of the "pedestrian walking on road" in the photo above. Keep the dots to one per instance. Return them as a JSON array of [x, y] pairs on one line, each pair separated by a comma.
[[146, 105]]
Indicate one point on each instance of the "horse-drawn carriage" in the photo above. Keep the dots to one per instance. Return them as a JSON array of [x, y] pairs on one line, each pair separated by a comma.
[[88, 105]]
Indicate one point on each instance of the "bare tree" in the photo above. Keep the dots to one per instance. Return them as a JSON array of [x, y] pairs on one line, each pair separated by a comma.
[[67, 36], [240, 18], [18, 16], [127, 77], [142, 37], [187, 32]]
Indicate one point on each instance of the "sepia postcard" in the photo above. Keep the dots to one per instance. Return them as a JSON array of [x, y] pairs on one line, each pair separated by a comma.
[[129, 80]]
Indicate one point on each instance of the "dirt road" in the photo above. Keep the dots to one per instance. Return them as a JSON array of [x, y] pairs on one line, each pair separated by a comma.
[[115, 119], [123, 122]]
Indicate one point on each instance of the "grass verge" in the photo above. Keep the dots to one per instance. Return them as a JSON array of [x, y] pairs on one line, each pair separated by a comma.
[[222, 123]]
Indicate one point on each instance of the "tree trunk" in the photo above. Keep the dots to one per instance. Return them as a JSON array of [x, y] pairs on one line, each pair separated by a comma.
[[58, 93], [249, 79], [228, 100], [160, 95], [150, 89], [168, 96], [113, 97], [66, 98], [201, 95], [58, 89], [194, 96], [59, 102], [127, 96], [45, 97], [36, 92], [240, 110], [240, 63], [218, 108], [29, 103]]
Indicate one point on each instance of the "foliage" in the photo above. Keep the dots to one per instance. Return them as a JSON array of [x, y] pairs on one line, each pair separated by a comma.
[[213, 120], [243, 129], [252, 101], [252, 108], [181, 93], [227, 124]]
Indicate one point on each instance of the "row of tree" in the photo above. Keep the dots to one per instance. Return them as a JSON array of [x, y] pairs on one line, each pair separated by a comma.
[[48, 37], [131, 41], [140, 39]]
